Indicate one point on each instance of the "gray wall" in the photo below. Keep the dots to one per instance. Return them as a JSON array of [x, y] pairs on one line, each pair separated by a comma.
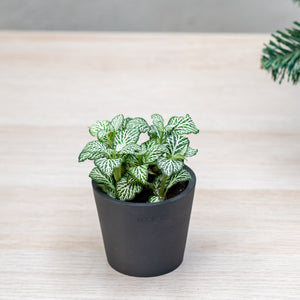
[[149, 15]]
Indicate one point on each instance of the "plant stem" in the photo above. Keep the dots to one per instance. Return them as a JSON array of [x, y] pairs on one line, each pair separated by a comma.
[[118, 173], [139, 159], [161, 137], [165, 193], [162, 187]]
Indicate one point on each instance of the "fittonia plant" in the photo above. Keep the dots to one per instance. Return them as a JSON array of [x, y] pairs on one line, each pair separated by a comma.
[[123, 168]]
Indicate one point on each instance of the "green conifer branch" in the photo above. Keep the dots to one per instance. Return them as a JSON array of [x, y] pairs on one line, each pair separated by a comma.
[[282, 56]]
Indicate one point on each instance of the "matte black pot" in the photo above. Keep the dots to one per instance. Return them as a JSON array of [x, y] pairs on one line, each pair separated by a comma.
[[145, 239]]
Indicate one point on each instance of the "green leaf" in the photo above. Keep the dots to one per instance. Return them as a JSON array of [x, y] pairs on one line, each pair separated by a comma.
[[152, 144], [176, 143], [125, 122], [154, 132], [125, 137], [83, 156], [190, 152], [139, 124], [147, 145], [183, 125], [94, 146], [107, 190], [117, 122], [100, 177], [93, 155], [103, 136], [156, 184], [155, 199], [131, 160], [127, 188], [158, 120], [140, 173], [153, 153], [169, 166], [182, 175], [107, 165], [93, 150], [130, 149], [101, 129]]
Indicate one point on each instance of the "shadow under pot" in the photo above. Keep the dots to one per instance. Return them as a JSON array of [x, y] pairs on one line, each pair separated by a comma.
[[145, 239]]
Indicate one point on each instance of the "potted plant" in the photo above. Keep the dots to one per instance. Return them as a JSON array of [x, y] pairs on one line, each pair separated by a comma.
[[143, 192]]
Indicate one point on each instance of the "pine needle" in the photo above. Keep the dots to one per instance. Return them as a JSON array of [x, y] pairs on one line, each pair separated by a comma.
[[281, 56]]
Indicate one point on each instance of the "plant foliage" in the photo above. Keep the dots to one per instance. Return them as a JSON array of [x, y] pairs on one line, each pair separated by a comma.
[[282, 55], [123, 168]]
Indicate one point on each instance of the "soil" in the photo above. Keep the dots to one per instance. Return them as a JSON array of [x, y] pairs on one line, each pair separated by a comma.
[[175, 190]]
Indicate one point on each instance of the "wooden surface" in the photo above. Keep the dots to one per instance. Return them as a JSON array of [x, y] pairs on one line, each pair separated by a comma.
[[244, 238]]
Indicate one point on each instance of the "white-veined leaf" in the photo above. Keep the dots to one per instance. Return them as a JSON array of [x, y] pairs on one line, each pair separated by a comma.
[[117, 122], [130, 149], [125, 122], [183, 151], [169, 166], [153, 153], [138, 123], [125, 137], [169, 128], [155, 199], [151, 143], [107, 190], [107, 165], [163, 148], [191, 152], [147, 145], [83, 156], [93, 155], [127, 188], [131, 160], [93, 150], [94, 146], [100, 177], [182, 175], [156, 184], [183, 125], [158, 120], [101, 135], [140, 173], [101, 129], [154, 131], [176, 143]]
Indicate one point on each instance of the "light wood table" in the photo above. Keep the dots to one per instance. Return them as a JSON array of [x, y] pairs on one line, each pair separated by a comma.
[[244, 238]]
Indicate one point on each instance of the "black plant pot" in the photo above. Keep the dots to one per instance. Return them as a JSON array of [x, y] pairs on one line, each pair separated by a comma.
[[145, 239]]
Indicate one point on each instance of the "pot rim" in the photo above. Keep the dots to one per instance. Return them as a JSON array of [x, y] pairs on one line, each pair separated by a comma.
[[190, 186]]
